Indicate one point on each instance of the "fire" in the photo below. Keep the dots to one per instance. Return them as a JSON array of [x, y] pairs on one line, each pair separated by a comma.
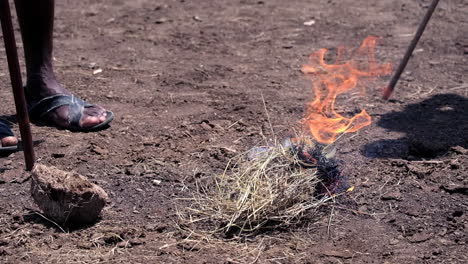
[[331, 80]]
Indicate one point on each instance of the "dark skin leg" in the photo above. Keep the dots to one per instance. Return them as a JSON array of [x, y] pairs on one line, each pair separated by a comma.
[[36, 19]]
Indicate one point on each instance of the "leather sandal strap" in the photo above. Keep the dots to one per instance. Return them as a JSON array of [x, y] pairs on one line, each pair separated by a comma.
[[48, 104]]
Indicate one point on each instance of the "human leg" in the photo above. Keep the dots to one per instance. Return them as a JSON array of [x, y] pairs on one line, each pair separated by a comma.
[[36, 19]]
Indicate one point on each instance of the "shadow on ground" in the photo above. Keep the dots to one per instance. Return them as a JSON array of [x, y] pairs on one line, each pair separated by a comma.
[[35, 217], [432, 127]]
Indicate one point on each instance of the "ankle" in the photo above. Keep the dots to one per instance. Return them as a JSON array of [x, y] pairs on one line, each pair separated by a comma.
[[39, 86]]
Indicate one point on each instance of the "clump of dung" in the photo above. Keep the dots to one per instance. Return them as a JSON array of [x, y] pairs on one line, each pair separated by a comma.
[[66, 197]]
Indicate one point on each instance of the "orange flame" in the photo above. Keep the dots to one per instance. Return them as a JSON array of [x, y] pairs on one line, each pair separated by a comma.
[[331, 80]]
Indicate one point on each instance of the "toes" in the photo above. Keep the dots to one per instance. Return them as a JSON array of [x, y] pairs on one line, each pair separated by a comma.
[[9, 141], [94, 111], [103, 117], [89, 121], [93, 117]]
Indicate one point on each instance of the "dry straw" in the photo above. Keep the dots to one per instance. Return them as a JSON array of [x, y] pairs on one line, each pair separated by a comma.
[[266, 187]]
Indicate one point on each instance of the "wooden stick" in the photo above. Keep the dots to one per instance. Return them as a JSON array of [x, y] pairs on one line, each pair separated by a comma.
[[391, 86], [17, 83]]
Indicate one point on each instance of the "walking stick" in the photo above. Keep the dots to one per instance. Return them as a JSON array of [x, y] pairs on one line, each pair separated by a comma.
[[389, 89], [17, 83]]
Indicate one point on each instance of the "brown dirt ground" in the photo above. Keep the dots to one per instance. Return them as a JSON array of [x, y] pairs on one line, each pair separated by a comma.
[[185, 80]]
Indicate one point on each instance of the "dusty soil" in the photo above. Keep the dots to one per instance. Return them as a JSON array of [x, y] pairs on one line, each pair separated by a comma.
[[185, 80]]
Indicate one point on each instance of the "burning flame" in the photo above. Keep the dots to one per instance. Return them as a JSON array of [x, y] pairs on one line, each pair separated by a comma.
[[331, 80]]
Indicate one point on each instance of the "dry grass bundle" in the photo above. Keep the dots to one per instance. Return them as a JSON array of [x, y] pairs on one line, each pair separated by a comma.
[[265, 187]]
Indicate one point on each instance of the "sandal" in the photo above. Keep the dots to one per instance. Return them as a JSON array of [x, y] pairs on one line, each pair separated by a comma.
[[5, 131], [76, 106]]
